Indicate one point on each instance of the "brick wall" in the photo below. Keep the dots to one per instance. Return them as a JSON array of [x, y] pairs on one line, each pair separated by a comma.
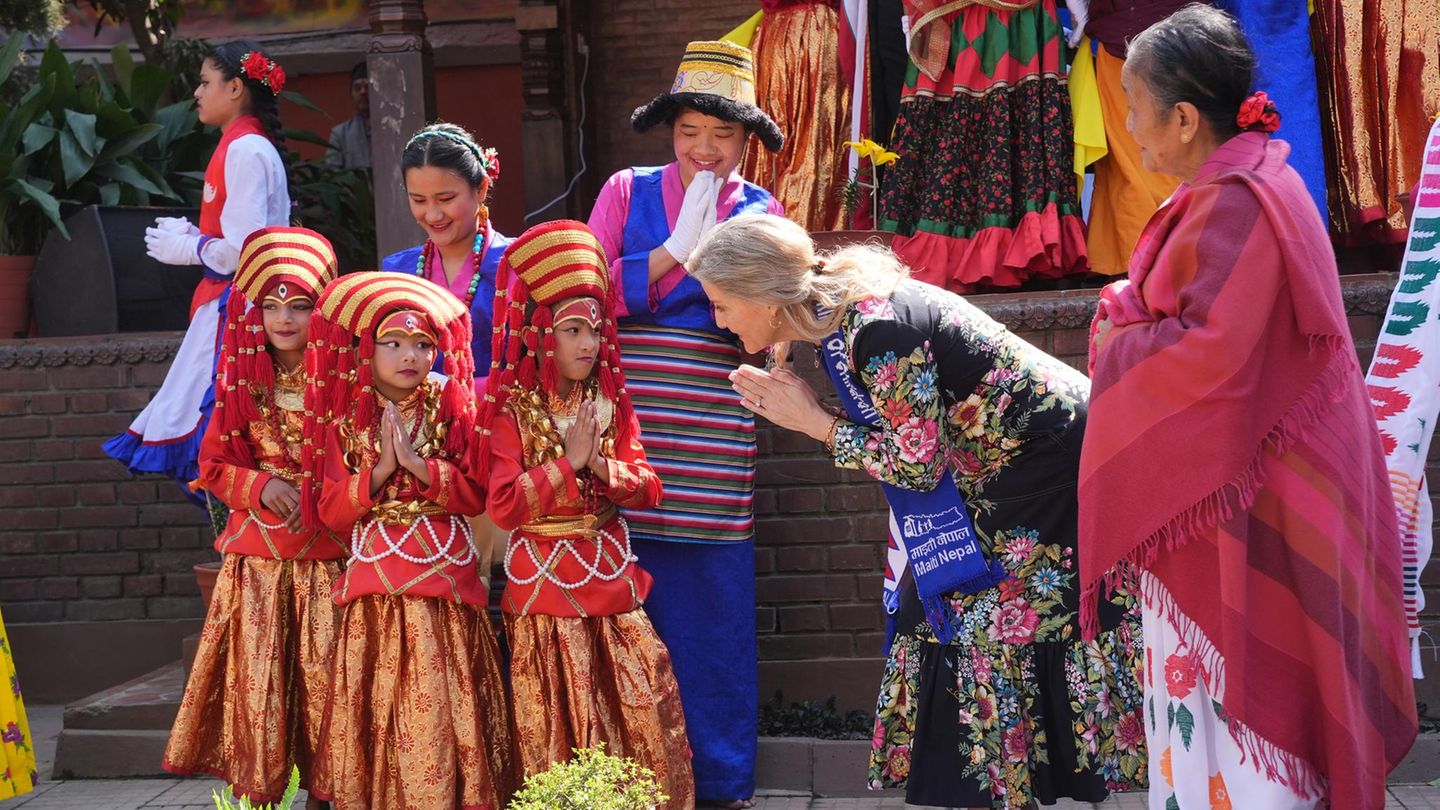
[[81, 541], [635, 47]]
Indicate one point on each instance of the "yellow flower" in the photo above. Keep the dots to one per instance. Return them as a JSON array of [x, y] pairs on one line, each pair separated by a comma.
[[884, 156], [865, 148]]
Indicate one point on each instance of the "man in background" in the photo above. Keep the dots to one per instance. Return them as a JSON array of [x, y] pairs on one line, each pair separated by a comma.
[[350, 139]]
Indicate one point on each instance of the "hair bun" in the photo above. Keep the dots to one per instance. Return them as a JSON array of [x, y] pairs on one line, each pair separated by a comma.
[[1258, 114]]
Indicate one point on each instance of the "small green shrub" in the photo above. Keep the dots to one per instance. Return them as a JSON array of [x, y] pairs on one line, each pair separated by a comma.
[[811, 719], [593, 780], [227, 800]]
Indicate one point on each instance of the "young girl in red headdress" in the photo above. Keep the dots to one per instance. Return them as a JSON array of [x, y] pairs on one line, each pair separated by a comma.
[[246, 189], [563, 452], [257, 693], [417, 711]]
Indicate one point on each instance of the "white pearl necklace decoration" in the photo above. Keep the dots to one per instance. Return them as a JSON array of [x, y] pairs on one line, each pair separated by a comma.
[[255, 516], [394, 547], [564, 545]]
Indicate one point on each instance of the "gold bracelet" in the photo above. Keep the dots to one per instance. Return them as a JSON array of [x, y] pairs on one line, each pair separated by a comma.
[[830, 435]]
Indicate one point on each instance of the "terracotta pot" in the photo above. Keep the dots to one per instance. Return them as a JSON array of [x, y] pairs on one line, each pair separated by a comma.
[[15, 295], [206, 574], [830, 240]]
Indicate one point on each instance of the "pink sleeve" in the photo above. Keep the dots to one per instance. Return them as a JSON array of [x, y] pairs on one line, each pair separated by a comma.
[[775, 207], [607, 220]]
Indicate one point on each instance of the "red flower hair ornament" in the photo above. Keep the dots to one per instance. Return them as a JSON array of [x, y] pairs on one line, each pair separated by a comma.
[[263, 69], [1258, 114]]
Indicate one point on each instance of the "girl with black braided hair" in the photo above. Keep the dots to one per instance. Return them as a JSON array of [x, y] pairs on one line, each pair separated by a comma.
[[245, 190], [448, 179]]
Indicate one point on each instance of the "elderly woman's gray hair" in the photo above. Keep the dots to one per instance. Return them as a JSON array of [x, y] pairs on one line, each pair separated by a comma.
[[1197, 55], [770, 260]]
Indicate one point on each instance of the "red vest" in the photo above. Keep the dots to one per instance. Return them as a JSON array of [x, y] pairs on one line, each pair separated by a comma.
[[213, 202]]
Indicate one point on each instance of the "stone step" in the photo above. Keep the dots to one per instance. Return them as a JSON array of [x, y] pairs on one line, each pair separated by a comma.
[[148, 702], [109, 753]]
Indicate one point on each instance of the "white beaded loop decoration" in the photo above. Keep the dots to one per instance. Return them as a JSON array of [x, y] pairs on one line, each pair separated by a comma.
[[255, 516], [565, 545], [395, 547]]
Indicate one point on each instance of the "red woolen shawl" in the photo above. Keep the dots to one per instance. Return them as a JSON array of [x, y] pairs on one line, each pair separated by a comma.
[[1229, 364]]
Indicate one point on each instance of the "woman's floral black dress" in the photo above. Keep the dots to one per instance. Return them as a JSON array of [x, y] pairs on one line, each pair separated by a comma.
[[1016, 707]]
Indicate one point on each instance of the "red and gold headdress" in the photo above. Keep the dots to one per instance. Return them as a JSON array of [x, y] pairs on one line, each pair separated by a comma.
[[348, 317], [279, 263], [551, 264]]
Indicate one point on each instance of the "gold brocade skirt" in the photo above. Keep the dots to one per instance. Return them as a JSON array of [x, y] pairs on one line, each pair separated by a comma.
[[418, 716], [582, 681], [256, 697], [799, 81]]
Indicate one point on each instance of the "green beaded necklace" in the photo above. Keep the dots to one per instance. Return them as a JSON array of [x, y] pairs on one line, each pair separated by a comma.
[[429, 249]]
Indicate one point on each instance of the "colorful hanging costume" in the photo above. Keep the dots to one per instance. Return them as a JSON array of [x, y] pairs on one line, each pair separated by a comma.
[[1270, 549], [586, 665], [17, 747], [1126, 194], [1379, 64], [698, 542], [268, 637], [245, 190], [417, 715], [799, 71], [1404, 380], [983, 193]]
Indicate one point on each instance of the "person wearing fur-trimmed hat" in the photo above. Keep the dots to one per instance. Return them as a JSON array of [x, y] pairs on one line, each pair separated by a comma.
[[698, 543], [256, 696], [562, 448]]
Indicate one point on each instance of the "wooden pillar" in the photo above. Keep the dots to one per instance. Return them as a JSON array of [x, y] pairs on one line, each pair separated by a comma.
[[402, 100], [552, 53]]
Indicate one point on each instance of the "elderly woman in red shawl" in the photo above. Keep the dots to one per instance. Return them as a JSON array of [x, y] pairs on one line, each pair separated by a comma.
[[1232, 461]]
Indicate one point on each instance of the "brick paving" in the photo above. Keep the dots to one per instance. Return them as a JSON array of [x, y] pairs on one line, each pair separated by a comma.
[[194, 794]]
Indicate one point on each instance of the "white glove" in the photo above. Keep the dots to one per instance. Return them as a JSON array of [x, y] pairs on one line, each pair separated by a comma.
[[176, 225], [169, 247], [712, 215], [1079, 16], [696, 211]]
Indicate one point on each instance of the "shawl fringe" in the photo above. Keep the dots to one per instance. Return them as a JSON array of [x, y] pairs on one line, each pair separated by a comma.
[[1276, 765], [1233, 497]]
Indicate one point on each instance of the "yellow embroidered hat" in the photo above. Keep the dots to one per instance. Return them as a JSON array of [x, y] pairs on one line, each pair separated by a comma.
[[716, 78]]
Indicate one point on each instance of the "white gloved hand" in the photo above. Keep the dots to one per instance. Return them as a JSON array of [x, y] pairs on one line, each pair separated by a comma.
[[697, 208], [712, 213], [169, 247], [176, 225], [1079, 16]]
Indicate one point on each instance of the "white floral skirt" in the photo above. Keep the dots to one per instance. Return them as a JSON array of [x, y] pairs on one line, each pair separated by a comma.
[[1195, 763]]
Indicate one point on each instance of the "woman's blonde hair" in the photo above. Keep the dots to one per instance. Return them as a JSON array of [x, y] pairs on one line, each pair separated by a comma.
[[772, 261]]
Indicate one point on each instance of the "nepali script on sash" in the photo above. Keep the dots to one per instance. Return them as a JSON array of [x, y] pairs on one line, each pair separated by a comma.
[[930, 532]]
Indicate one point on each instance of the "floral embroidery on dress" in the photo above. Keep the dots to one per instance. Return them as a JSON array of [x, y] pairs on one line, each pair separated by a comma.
[[992, 662]]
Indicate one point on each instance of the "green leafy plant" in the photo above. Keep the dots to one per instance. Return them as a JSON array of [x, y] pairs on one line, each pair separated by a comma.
[[40, 18], [74, 138], [811, 719], [593, 780], [227, 800]]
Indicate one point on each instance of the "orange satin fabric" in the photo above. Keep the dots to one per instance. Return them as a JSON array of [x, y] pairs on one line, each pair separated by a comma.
[[1126, 195], [418, 716], [256, 697], [799, 83], [581, 681], [1379, 68]]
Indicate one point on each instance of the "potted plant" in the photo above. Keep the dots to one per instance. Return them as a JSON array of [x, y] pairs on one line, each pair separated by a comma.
[[67, 142], [593, 780], [227, 800]]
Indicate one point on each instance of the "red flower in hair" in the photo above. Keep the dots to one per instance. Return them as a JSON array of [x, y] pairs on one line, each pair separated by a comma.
[[256, 65], [1258, 114], [276, 79]]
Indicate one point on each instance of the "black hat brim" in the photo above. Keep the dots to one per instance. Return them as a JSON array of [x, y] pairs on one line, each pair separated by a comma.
[[665, 107]]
